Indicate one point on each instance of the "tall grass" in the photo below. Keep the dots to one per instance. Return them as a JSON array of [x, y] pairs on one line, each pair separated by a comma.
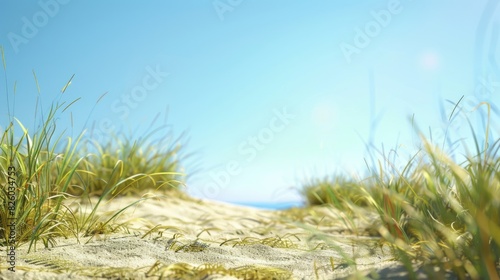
[[54, 174], [434, 212]]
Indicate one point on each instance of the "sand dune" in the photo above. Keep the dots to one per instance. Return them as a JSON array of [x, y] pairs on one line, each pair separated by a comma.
[[189, 235]]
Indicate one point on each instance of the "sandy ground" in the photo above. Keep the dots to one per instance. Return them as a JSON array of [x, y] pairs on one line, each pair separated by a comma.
[[190, 233]]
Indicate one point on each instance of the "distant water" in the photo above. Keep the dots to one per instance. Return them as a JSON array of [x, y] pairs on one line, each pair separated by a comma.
[[271, 205]]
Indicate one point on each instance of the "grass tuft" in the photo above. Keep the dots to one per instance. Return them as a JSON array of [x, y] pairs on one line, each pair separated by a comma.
[[51, 177]]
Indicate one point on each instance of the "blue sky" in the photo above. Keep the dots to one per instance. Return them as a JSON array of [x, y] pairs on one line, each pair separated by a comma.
[[271, 94]]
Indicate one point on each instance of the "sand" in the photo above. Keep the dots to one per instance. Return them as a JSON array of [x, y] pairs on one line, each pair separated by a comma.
[[315, 244]]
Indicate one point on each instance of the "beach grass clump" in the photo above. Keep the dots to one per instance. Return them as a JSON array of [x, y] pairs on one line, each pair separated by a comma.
[[339, 190], [35, 178], [447, 213], [436, 212], [129, 163], [40, 171]]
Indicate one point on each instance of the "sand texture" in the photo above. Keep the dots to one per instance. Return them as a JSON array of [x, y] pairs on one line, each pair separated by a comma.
[[174, 238]]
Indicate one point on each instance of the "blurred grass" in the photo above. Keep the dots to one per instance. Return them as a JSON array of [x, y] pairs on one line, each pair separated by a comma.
[[434, 211], [339, 191]]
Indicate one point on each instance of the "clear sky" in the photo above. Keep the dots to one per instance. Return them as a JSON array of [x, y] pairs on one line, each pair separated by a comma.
[[270, 93]]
